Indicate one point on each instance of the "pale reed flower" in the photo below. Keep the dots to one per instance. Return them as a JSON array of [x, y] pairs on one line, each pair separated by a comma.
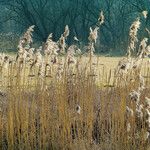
[[2, 93], [26, 39], [24, 46], [148, 123], [38, 58], [2, 58], [78, 109], [101, 18], [124, 65], [73, 50], [148, 50], [135, 96], [145, 13], [59, 72], [66, 32], [147, 136], [93, 35], [91, 49], [51, 47], [62, 44], [31, 51], [141, 83], [129, 112], [28, 34], [71, 60], [6, 62], [148, 31], [147, 102], [139, 112], [30, 57], [147, 113], [133, 36], [128, 127], [75, 38], [41, 71], [54, 59], [136, 63], [142, 48]]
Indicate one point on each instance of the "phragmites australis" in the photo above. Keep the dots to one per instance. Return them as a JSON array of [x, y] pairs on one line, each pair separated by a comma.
[[41, 71], [148, 31], [101, 18], [38, 57], [1, 59], [145, 13], [62, 40], [28, 34], [133, 64], [74, 49], [71, 55], [78, 109], [124, 65], [76, 39], [30, 55], [91, 49], [147, 117], [147, 102], [139, 112], [128, 127], [27, 37], [93, 35], [24, 45], [135, 96], [66, 32], [129, 112], [147, 135], [51, 47], [133, 36], [142, 48], [62, 44], [147, 50], [141, 83], [5, 62]]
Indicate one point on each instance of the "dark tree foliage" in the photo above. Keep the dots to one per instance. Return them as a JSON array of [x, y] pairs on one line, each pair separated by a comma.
[[51, 16]]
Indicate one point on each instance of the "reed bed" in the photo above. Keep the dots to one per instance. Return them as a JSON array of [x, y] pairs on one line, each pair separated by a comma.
[[55, 99]]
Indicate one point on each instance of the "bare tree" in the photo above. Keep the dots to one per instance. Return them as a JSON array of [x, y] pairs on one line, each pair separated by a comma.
[[51, 16]]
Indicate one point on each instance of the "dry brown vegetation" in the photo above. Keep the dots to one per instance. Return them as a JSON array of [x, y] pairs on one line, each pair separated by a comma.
[[73, 101]]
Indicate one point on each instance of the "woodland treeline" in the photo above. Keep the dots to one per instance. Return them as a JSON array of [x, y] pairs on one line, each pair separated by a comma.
[[51, 16]]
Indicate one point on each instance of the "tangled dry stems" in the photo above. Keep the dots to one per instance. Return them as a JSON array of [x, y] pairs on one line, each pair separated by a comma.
[[50, 101]]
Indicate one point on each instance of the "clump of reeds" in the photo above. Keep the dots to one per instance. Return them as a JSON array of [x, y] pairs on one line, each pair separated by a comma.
[[54, 101]]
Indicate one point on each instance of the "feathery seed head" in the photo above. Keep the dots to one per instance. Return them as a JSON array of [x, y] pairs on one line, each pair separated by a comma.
[[129, 112], [134, 96], [145, 13], [78, 109], [66, 32], [101, 18], [147, 102]]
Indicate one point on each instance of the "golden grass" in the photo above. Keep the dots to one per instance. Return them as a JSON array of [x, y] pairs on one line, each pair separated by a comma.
[[75, 101], [40, 113]]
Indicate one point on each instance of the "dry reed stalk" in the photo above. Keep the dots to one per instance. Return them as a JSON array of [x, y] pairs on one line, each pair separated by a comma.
[[55, 102]]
